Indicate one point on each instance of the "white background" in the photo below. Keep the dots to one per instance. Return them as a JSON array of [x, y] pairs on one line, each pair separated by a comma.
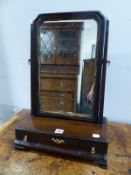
[[15, 20]]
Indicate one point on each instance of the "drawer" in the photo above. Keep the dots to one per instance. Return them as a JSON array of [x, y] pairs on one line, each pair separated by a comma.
[[56, 104], [59, 95], [41, 139], [54, 140], [93, 147], [58, 84]]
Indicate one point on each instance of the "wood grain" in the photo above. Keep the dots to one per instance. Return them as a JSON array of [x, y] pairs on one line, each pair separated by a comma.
[[15, 162]]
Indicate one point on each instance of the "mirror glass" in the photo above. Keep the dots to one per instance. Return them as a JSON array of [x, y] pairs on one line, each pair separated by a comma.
[[66, 54]]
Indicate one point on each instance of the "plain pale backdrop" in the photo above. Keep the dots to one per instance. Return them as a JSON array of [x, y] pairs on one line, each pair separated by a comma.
[[15, 20]]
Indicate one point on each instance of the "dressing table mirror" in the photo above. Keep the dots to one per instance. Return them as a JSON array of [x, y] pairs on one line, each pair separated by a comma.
[[68, 70]]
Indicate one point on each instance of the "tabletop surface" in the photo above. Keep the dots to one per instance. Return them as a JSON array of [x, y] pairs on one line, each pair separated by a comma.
[[16, 162]]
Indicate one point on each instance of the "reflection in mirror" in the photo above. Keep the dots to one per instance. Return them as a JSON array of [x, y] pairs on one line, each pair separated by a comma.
[[67, 66]]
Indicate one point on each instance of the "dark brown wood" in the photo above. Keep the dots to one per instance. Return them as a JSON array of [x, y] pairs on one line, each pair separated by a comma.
[[76, 141], [14, 161], [104, 65], [99, 18], [54, 81]]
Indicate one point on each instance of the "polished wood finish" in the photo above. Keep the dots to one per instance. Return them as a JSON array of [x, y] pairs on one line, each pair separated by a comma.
[[14, 162], [54, 79], [76, 141], [97, 116], [103, 78]]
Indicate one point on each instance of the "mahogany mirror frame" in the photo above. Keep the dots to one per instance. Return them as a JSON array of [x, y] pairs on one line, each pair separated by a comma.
[[101, 54]]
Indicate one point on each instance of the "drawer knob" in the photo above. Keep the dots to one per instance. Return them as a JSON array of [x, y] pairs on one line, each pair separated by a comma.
[[58, 141], [62, 84], [25, 139], [93, 150], [61, 102], [62, 94]]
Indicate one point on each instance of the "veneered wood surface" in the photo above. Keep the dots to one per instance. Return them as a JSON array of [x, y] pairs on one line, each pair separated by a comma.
[[71, 128], [15, 162]]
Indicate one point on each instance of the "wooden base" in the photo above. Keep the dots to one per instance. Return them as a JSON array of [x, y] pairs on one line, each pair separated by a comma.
[[77, 140]]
